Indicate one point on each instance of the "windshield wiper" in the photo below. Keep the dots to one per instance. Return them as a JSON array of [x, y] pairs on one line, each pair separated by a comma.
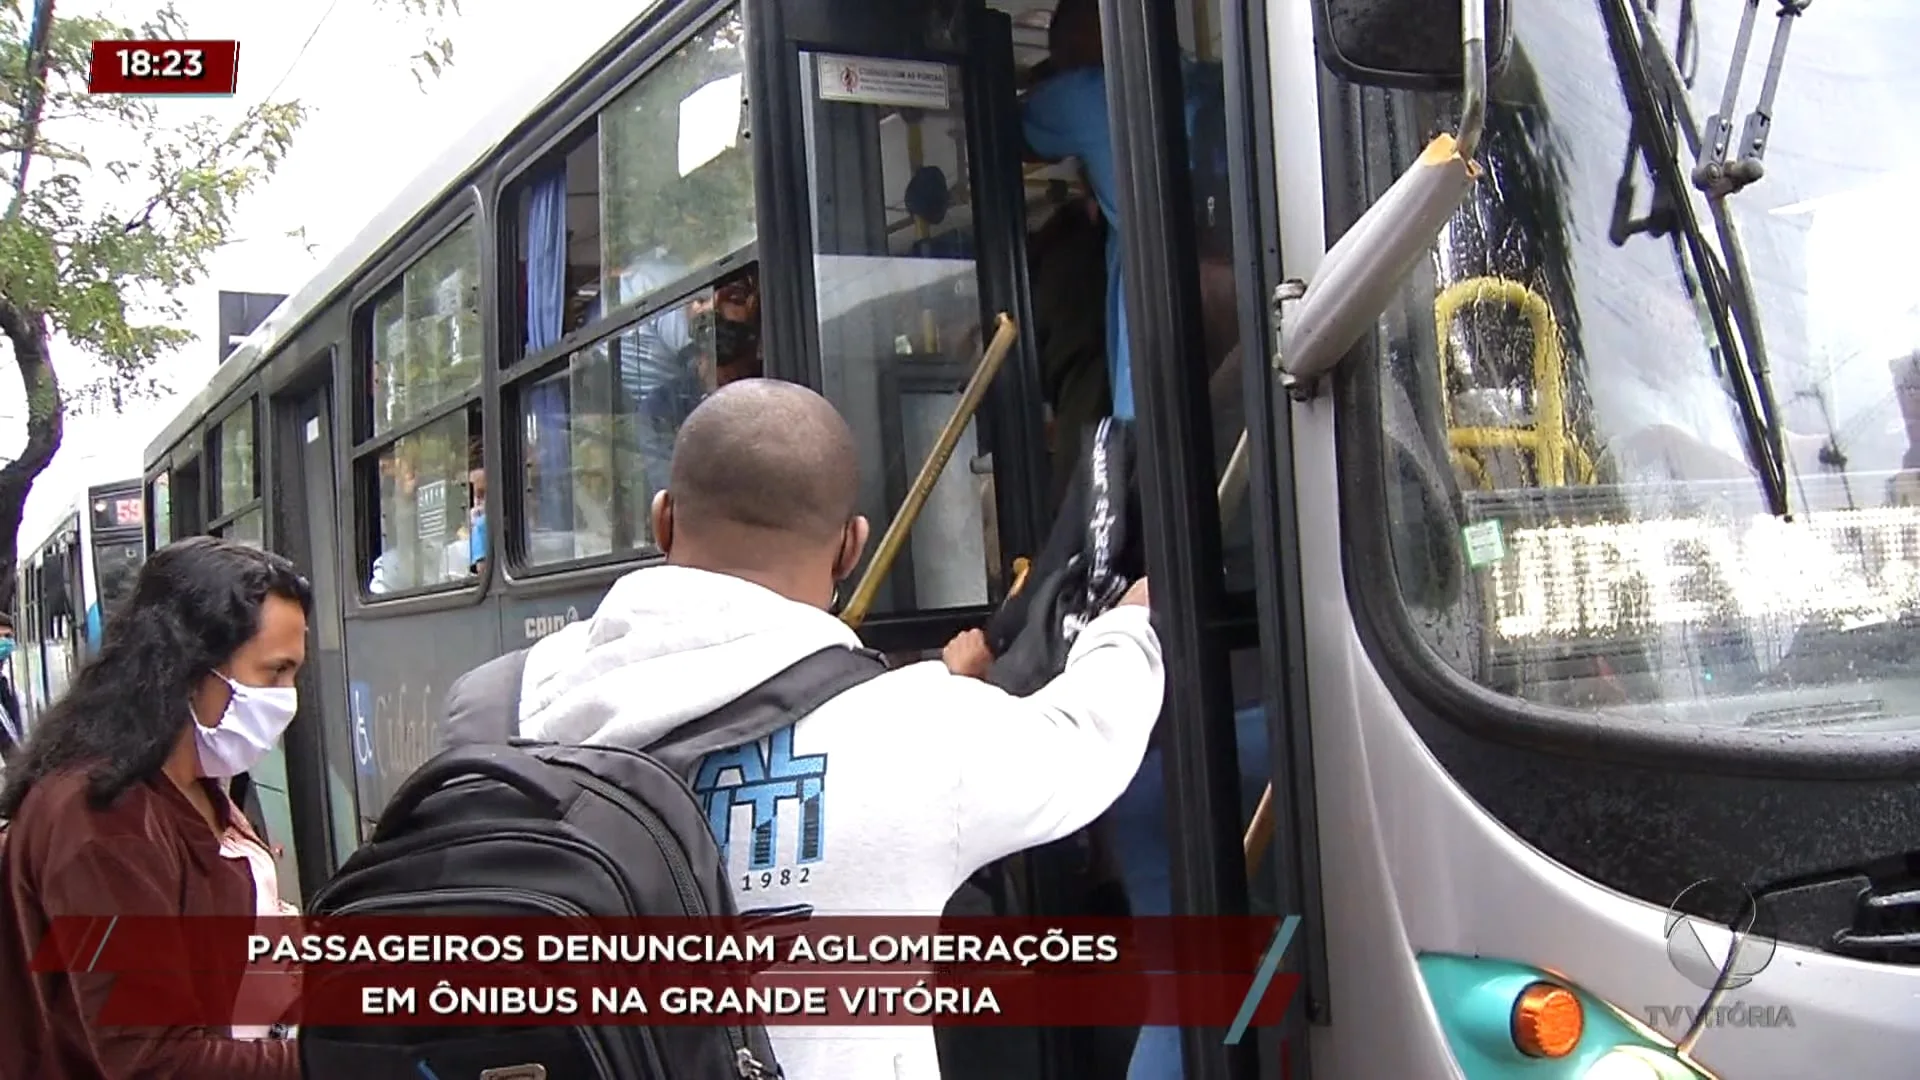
[[1659, 102]]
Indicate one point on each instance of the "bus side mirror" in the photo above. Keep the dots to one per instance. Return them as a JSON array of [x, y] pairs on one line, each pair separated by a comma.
[[1404, 44]]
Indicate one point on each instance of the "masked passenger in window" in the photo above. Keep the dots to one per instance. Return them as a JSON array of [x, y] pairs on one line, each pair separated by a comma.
[[724, 348]]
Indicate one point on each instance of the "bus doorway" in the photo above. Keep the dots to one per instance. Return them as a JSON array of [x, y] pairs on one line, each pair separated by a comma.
[[903, 207], [321, 763], [905, 237], [1178, 154]]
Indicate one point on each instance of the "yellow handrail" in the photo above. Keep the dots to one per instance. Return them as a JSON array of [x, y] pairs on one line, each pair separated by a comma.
[[1556, 453]]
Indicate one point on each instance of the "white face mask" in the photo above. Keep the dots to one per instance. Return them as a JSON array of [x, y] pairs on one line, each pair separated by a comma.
[[255, 719]]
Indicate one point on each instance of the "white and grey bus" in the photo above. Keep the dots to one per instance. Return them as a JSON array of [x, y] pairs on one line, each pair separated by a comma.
[[67, 583], [1569, 599]]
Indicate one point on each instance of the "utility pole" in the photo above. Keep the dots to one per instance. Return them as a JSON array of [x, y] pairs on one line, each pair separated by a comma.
[[35, 97]]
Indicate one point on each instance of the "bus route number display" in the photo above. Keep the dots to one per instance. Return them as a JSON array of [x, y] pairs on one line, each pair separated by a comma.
[[119, 512], [164, 67]]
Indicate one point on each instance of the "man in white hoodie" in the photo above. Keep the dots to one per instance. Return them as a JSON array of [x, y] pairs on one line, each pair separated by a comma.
[[887, 798]]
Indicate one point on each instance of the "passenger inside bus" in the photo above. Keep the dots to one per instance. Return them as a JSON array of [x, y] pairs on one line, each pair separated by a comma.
[[1066, 262], [432, 500], [723, 346], [477, 513], [603, 430]]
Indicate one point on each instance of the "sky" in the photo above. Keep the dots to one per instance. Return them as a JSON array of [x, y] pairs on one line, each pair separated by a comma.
[[369, 130]]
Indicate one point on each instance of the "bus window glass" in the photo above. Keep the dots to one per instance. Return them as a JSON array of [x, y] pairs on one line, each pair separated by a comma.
[[427, 481], [189, 515], [676, 174], [425, 347], [598, 440], [115, 567], [236, 462], [1204, 82], [160, 514], [897, 295], [1560, 370], [249, 528], [557, 250]]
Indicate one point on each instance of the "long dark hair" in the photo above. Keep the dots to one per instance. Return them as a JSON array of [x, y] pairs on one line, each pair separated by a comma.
[[194, 603]]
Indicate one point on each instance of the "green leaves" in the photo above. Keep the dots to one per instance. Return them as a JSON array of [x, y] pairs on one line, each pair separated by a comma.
[[436, 52], [103, 235]]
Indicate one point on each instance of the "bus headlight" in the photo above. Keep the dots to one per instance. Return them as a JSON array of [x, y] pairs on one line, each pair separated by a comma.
[[1639, 1063], [1504, 1019]]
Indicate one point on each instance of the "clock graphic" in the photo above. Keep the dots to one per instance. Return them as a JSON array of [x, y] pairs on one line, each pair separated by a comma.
[[164, 67]]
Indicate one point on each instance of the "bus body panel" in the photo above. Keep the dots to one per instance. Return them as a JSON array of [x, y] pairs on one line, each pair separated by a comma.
[[1412, 866], [398, 671], [1421, 868]]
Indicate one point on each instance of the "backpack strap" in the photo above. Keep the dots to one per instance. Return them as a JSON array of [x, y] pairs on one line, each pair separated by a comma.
[[550, 790], [483, 706], [780, 702], [1108, 470]]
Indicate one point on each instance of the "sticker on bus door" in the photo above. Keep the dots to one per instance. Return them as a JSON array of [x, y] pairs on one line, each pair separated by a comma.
[[360, 706], [862, 80], [1485, 545]]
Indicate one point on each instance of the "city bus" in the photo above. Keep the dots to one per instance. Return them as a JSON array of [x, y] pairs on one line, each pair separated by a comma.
[[1559, 644], [67, 583]]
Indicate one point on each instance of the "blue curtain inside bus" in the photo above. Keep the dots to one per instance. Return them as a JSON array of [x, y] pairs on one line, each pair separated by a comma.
[[546, 298]]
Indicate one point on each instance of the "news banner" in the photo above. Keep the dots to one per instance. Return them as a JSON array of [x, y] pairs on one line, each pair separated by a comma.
[[814, 971]]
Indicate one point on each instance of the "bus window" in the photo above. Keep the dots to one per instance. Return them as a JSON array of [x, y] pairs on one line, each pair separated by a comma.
[[425, 342], [237, 514], [616, 234], [897, 296], [160, 513], [1204, 82], [115, 567], [676, 188], [416, 468], [596, 448], [431, 484], [188, 514]]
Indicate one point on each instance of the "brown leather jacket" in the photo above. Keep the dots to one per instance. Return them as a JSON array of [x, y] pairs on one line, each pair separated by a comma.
[[149, 853]]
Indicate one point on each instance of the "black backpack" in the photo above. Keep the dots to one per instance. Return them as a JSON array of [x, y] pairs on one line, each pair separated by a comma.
[[1091, 556], [500, 826]]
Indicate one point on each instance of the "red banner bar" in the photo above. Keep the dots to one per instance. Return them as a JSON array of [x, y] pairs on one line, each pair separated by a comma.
[[423, 996], [164, 67], [828, 944]]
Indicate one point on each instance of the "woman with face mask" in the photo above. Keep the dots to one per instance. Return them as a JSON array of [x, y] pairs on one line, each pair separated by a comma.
[[118, 806]]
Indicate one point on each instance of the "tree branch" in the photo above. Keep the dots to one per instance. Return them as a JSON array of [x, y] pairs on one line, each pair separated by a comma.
[[27, 333]]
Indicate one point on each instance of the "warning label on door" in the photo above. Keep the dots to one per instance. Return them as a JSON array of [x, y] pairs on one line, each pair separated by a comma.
[[863, 80]]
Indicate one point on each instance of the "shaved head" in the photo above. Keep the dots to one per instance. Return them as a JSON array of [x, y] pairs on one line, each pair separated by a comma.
[[759, 456]]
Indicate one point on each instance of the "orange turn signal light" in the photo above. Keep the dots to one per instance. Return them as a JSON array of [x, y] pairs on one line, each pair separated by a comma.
[[1547, 1021]]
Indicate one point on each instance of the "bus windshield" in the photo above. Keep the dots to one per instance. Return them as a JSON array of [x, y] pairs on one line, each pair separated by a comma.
[[1575, 515], [116, 566]]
